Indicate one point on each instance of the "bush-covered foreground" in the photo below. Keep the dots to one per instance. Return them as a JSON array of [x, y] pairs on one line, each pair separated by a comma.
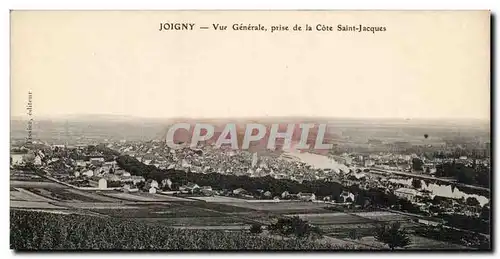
[[31, 230]]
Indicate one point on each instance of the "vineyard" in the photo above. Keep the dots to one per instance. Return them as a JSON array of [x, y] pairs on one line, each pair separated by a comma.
[[30, 230]]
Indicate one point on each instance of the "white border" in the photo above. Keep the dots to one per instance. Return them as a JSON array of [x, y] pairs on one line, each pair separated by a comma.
[[492, 5]]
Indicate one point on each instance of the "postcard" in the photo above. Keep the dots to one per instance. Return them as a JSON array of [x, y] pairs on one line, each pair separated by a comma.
[[250, 130]]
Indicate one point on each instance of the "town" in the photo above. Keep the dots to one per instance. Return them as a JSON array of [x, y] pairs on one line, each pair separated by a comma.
[[413, 189]]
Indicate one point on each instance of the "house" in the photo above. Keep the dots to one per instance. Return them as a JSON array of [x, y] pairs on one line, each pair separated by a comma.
[[166, 183], [17, 159], [239, 191], [346, 197], [406, 193], [207, 191], [206, 188], [81, 163], [190, 187], [369, 163], [111, 164], [137, 179], [151, 184], [38, 160], [112, 177], [429, 222], [358, 176], [152, 190], [304, 196], [268, 194], [128, 188], [119, 171], [285, 195], [88, 173], [96, 160], [103, 183]]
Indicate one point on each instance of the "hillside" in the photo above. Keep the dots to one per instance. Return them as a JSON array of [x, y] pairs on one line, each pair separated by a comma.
[[31, 230]]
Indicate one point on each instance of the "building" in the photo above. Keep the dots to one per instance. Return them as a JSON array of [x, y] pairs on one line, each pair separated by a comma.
[[88, 173], [190, 187], [239, 191], [306, 196], [80, 163], [103, 183], [152, 190], [207, 188], [166, 183], [151, 184], [429, 222], [207, 191], [346, 197], [128, 188], [97, 160], [406, 193], [16, 159], [135, 179]]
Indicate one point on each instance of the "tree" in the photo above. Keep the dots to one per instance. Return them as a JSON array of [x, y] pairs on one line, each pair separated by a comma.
[[471, 201], [485, 213], [416, 164], [140, 185], [416, 183], [392, 235], [294, 226], [256, 228], [353, 234], [465, 174]]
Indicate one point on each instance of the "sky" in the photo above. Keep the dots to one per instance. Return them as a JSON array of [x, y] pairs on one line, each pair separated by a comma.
[[425, 65]]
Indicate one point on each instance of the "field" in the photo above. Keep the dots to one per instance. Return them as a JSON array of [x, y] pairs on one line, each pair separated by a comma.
[[36, 184], [216, 213], [17, 175], [46, 231], [19, 194], [223, 222], [160, 211], [281, 207], [61, 194], [142, 196], [33, 205]]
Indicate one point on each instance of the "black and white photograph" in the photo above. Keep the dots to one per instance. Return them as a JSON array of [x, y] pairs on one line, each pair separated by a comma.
[[237, 130]]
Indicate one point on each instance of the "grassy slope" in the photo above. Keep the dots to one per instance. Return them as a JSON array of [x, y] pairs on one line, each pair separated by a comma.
[[47, 231]]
